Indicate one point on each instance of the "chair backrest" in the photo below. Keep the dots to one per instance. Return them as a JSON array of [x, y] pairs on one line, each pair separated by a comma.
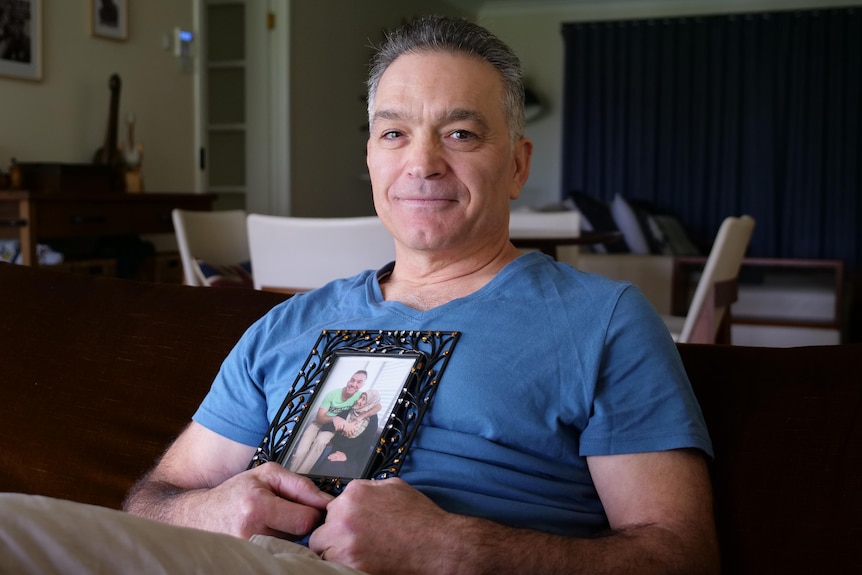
[[720, 272], [218, 238], [544, 224], [527, 230], [292, 254]]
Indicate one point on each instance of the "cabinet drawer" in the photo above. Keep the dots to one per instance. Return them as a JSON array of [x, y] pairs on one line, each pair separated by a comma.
[[82, 219]]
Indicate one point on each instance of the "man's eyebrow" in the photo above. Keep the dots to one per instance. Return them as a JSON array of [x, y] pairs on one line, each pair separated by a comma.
[[455, 115], [464, 114], [387, 114]]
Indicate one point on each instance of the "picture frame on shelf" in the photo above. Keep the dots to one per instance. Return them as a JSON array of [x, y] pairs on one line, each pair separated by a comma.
[[109, 19], [21, 39]]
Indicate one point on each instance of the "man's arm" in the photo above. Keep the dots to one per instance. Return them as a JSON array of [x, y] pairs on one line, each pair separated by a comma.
[[659, 506], [322, 417], [201, 481]]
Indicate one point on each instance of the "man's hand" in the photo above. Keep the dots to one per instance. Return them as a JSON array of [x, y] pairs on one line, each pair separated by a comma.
[[267, 500], [365, 530], [201, 481], [339, 422]]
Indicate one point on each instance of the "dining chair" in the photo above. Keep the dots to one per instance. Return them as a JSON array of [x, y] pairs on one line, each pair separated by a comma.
[[294, 254], [216, 239], [707, 319], [544, 224]]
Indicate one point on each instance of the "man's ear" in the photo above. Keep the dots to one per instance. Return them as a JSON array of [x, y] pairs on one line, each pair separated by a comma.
[[521, 156]]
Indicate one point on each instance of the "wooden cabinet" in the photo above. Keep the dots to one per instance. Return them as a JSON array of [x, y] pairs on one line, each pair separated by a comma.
[[33, 217]]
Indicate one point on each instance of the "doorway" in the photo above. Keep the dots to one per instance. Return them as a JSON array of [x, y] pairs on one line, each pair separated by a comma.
[[241, 99]]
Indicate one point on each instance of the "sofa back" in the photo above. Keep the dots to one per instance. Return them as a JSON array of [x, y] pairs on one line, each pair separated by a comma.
[[786, 426], [98, 375]]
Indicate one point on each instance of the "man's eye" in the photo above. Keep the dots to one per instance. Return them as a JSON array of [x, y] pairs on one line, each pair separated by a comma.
[[461, 135], [391, 135]]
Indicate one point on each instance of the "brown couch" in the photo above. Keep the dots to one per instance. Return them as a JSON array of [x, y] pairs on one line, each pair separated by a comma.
[[99, 375]]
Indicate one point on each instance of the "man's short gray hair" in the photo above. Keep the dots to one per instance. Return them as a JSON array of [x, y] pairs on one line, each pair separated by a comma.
[[456, 35]]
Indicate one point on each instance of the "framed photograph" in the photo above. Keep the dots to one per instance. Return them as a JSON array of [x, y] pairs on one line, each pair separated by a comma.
[[346, 417], [109, 19], [21, 39], [356, 404]]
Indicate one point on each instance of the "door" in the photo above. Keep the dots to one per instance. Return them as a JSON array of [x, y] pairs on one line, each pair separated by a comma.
[[241, 97]]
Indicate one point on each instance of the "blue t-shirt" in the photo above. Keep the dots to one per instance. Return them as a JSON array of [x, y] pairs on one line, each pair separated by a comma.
[[552, 365]]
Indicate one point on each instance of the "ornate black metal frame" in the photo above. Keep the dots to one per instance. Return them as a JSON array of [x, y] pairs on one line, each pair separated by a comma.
[[432, 349]]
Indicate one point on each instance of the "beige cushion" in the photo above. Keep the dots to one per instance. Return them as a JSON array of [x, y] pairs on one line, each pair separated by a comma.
[[45, 536]]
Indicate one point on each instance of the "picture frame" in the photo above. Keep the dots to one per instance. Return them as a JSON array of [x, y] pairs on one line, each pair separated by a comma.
[[109, 19], [21, 39], [402, 370]]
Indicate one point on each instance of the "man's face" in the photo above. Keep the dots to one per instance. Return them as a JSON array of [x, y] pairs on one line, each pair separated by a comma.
[[442, 163], [355, 383]]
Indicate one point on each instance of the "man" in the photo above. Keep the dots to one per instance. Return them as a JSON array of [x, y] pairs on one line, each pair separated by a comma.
[[563, 437], [326, 422]]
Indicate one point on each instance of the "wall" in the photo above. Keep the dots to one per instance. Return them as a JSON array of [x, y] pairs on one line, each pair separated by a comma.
[[534, 31], [63, 118], [329, 57]]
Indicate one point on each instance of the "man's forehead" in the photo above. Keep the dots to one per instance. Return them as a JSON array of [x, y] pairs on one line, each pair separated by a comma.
[[430, 68], [427, 85]]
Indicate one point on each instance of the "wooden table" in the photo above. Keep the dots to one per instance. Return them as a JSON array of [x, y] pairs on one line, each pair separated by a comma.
[[549, 244], [31, 216]]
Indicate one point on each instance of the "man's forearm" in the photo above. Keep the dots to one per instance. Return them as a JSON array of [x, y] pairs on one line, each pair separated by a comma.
[[198, 508], [486, 547], [164, 502]]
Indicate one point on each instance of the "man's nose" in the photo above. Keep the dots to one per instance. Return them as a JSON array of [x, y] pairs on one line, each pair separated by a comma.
[[426, 158]]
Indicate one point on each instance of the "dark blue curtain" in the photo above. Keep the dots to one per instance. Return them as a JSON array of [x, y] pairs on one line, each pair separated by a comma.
[[704, 117]]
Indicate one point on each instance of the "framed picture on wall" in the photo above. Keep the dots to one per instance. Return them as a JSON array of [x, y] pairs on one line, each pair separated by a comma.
[[109, 19], [21, 39]]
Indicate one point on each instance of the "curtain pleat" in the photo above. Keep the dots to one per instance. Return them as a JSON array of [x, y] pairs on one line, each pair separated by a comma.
[[704, 117]]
